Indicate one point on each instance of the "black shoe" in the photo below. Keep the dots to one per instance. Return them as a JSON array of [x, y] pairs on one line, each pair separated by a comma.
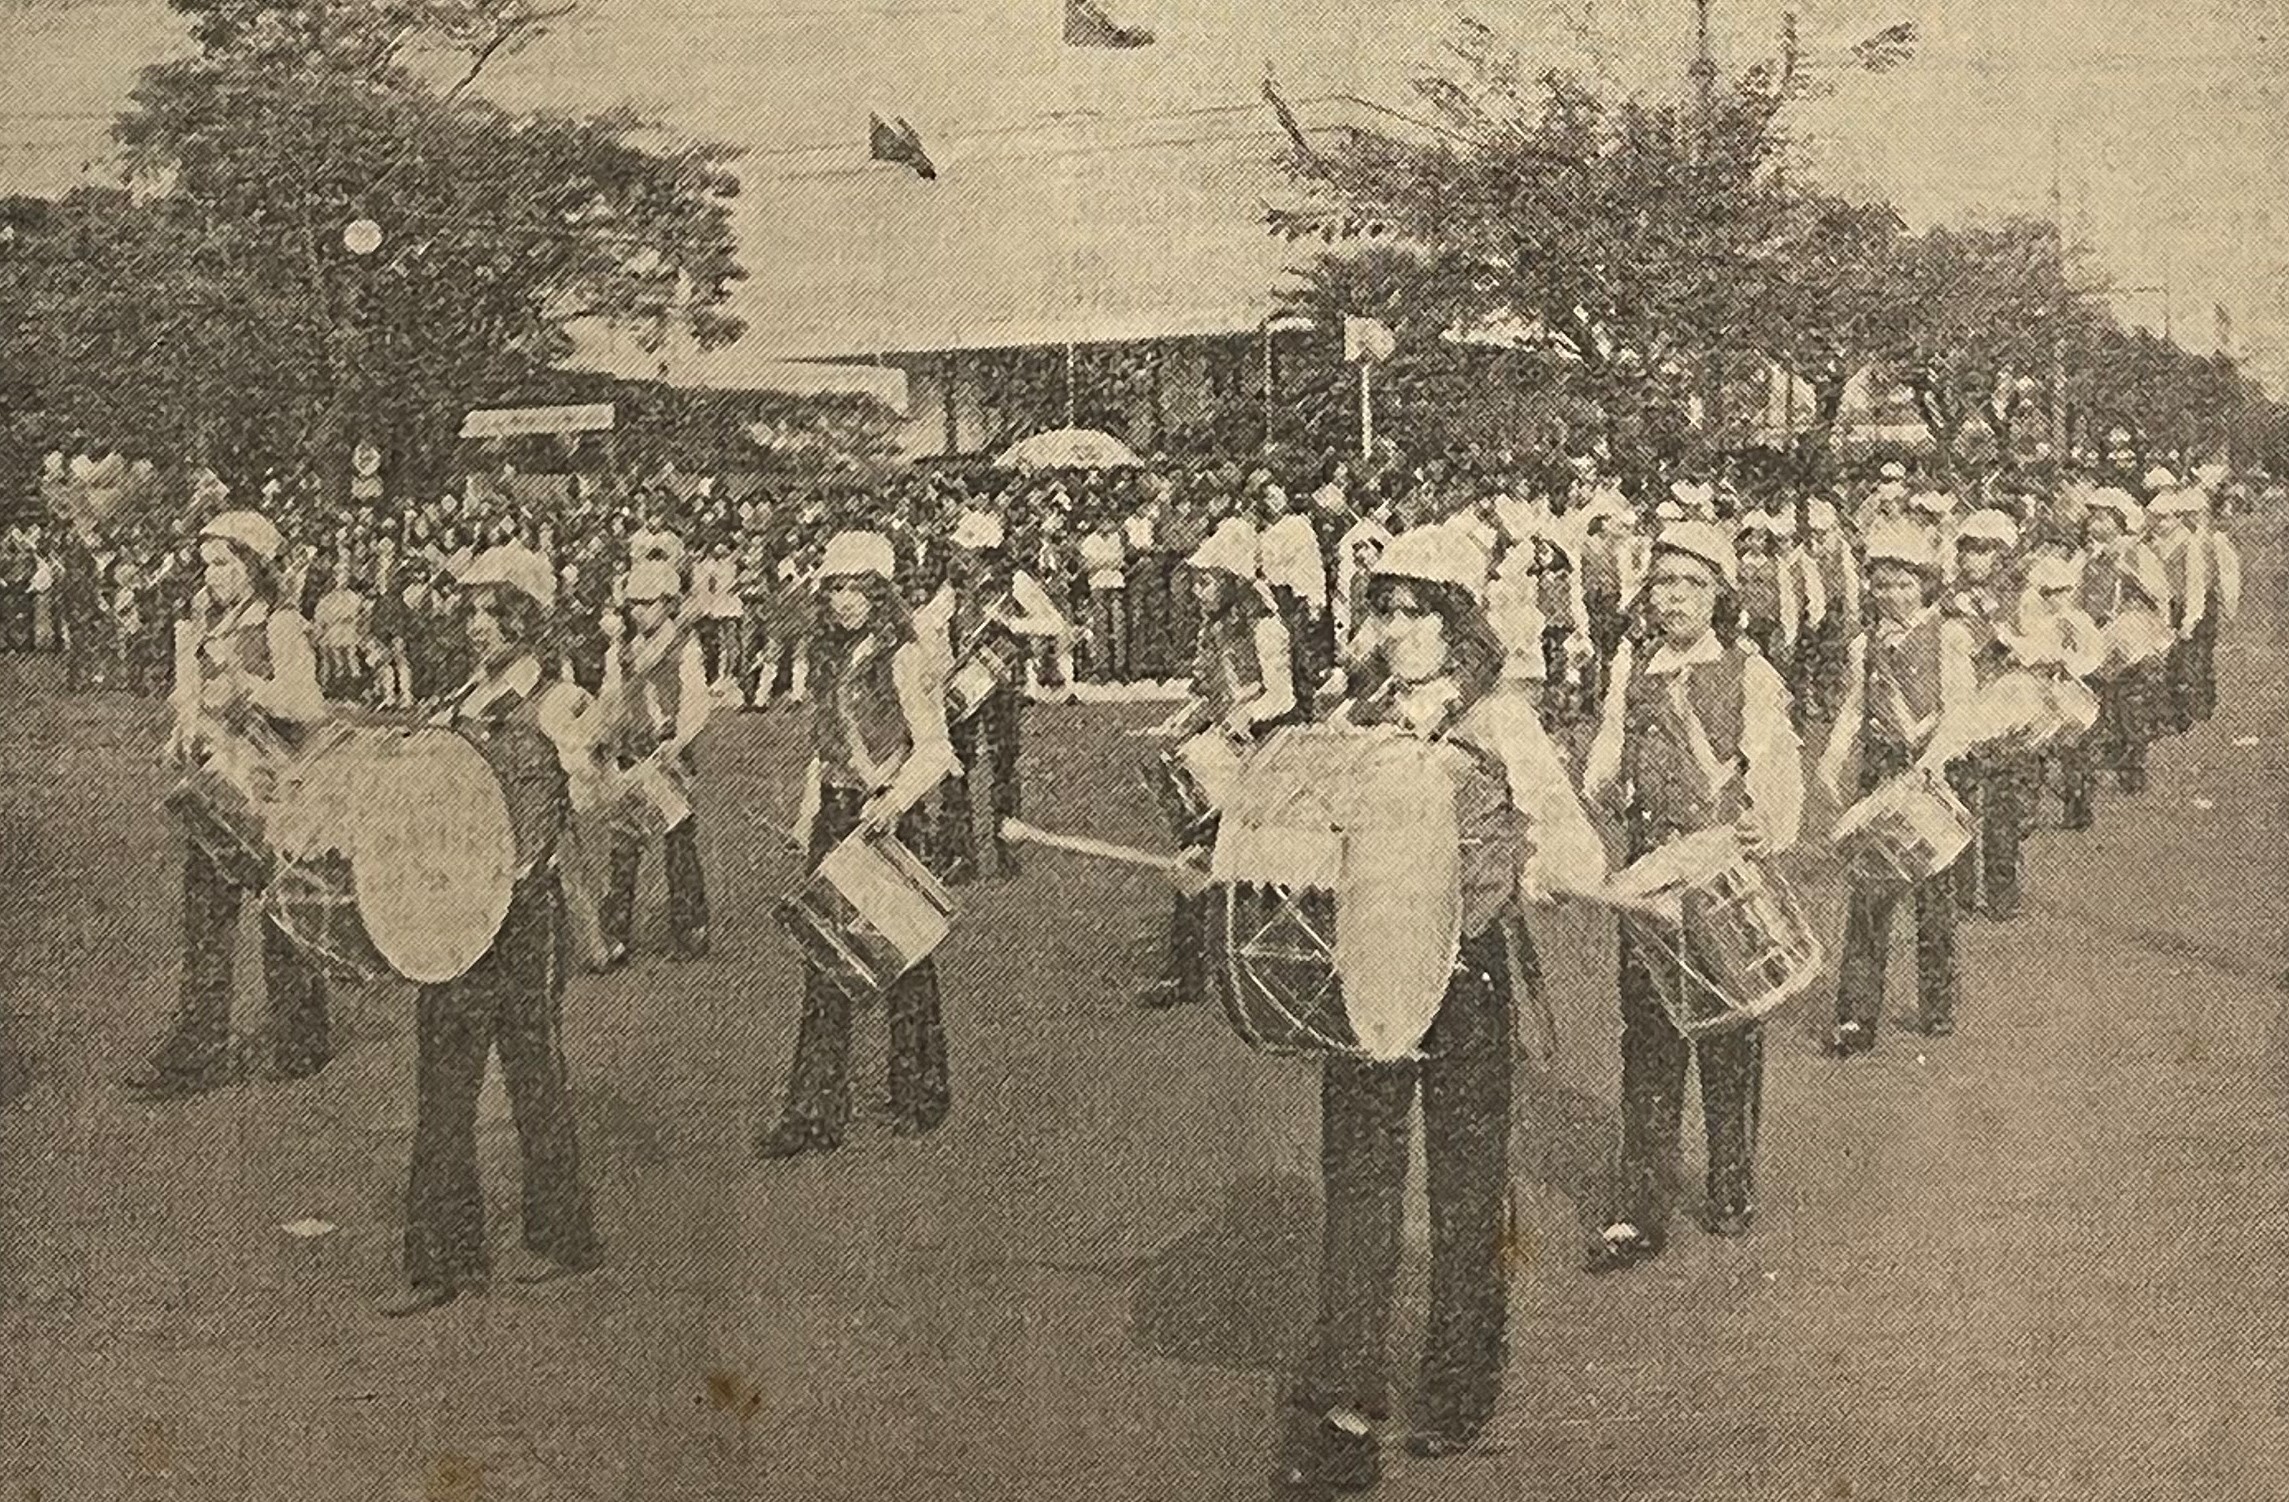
[[692, 946], [616, 957], [1440, 1444], [1849, 1038], [1163, 995], [792, 1139], [284, 1069], [1335, 1454], [421, 1299], [1728, 1222], [549, 1270], [910, 1127], [1621, 1247], [167, 1080]]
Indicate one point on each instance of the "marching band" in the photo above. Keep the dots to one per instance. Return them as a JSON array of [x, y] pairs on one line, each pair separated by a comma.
[[1452, 700]]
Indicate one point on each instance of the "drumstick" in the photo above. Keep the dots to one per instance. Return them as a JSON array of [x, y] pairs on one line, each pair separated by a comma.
[[1127, 855]]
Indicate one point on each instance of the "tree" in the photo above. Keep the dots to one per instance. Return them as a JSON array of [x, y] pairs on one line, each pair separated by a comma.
[[1983, 308], [1631, 236], [499, 234]]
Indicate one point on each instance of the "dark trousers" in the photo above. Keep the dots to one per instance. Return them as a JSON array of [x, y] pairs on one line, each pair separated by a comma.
[[708, 632], [2116, 742], [2201, 666], [1108, 635], [1654, 1061], [1365, 1110], [1867, 946], [16, 619], [1826, 654], [513, 1000], [687, 886], [987, 743], [298, 1037], [818, 1086], [1994, 789], [1153, 651]]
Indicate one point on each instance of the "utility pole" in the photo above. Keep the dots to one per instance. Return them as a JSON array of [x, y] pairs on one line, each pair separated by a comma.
[[2059, 314], [1704, 74]]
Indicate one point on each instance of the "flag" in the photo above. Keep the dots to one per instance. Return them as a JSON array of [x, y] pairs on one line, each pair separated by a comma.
[[1367, 341], [899, 142], [1888, 48], [1087, 25]]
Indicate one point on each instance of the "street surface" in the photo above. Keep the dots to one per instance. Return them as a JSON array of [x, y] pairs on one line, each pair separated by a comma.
[[2043, 1259]]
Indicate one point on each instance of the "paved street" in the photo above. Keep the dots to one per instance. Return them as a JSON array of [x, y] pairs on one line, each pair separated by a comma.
[[2044, 1259]]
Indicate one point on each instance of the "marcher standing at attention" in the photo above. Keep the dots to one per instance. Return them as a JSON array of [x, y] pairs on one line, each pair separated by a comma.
[[1243, 687], [1697, 736], [656, 698], [879, 747], [1912, 673], [246, 694], [1990, 777], [526, 723], [987, 611]]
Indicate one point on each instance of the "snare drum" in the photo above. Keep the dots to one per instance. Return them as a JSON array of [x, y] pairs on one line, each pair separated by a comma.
[[1906, 831], [1738, 940], [870, 912], [981, 675]]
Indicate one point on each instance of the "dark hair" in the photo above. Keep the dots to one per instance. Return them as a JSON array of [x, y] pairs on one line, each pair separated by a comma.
[[888, 621], [261, 574], [1475, 651], [523, 620]]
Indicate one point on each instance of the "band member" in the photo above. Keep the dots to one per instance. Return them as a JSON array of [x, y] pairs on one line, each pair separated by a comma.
[[1695, 737], [2186, 558], [1832, 609], [657, 697], [2224, 606], [1771, 610], [2121, 579], [879, 747], [246, 695], [1989, 778], [1912, 672], [1295, 569], [527, 725], [1243, 685], [987, 610], [1431, 669], [1613, 569]]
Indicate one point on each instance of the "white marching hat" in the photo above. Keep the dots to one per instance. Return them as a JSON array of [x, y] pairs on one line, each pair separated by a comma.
[[250, 530], [1442, 553], [513, 566], [654, 579], [1902, 542], [1705, 541], [1988, 524], [851, 554], [1821, 516]]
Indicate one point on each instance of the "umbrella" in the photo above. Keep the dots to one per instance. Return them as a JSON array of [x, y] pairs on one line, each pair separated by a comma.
[[1071, 448]]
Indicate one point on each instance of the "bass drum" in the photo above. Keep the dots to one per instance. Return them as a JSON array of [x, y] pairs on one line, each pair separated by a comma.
[[396, 854]]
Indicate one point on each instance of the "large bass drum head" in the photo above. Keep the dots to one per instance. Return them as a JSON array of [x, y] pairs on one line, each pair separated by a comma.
[[436, 860]]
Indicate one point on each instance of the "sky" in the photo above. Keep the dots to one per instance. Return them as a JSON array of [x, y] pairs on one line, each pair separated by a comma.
[[1100, 192]]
